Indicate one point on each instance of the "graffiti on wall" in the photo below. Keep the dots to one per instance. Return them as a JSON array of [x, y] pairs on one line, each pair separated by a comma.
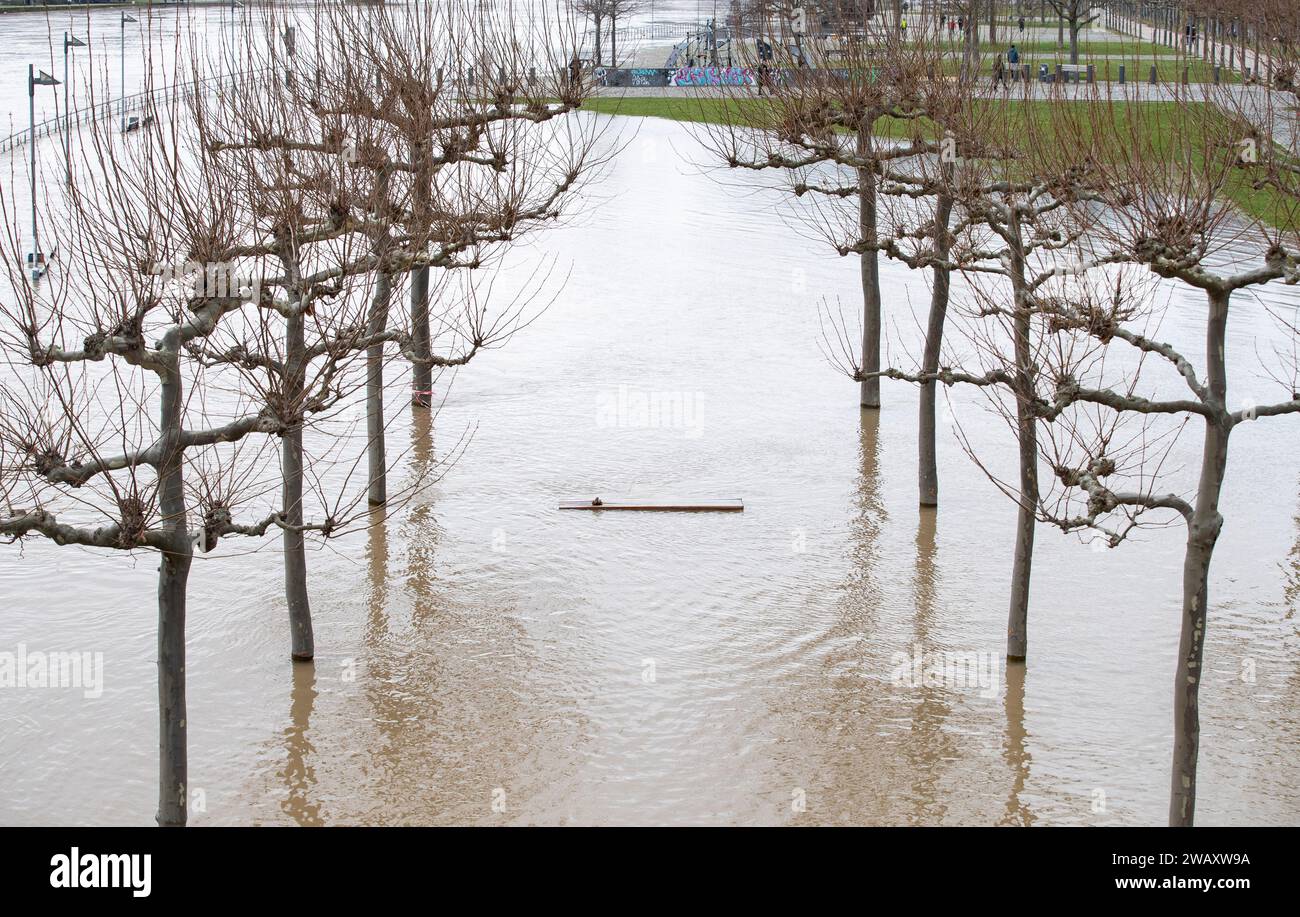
[[616, 77], [713, 76], [650, 77]]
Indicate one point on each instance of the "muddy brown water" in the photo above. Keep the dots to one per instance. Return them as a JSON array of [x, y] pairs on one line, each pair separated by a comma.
[[487, 659]]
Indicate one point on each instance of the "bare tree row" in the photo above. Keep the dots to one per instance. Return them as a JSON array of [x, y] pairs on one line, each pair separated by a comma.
[[229, 283], [1055, 218]]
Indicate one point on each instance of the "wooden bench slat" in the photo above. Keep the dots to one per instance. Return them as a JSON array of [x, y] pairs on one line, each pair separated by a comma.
[[717, 505]]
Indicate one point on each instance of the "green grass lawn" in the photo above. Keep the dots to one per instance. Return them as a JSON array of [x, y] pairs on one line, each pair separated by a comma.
[[1087, 49], [1168, 70], [1137, 70], [1155, 133]]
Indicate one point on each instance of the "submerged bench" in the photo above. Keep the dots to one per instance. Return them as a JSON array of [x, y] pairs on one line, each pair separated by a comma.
[[665, 506]]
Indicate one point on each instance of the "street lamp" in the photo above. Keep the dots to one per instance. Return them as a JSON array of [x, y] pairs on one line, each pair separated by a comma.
[[290, 45], [234, 24], [125, 20], [68, 43], [35, 260]]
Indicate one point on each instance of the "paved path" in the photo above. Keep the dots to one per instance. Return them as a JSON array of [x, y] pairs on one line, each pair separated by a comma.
[[1253, 100]]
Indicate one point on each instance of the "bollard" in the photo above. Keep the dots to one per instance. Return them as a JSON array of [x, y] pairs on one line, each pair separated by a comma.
[[1092, 74], [1153, 75], [1218, 75], [1121, 74], [1185, 75], [1059, 72]]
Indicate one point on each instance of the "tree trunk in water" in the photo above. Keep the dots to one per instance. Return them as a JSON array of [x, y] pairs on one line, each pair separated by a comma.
[[1027, 433], [928, 467], [295, 556], [870, 267], [1203, 533], [376, 450], [173, 577], [421, 373]]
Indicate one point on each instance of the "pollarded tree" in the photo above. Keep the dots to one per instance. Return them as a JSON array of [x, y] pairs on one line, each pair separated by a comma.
[[146, 244], [467, 115], [916, 198], [420, 138], [1168, 178], [1017, 194], [829, 127]]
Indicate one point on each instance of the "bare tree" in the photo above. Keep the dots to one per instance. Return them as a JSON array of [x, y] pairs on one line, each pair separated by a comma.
[[1165, 181], [622, 9], [597, 11], [1015, 192], [239, 251], [420, 141], [968, 12], [821, 129], [1077, 15], [916, 198], [145, 238], [462, 111]]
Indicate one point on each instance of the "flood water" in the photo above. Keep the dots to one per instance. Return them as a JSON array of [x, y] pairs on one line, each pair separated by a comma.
[[484, 658]]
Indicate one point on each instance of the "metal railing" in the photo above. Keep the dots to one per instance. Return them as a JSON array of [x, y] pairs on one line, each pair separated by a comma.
[[653, 31], [112, 108]]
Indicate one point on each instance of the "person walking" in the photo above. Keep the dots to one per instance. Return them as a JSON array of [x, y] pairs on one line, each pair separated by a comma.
[[999, 73], [1013, 61]]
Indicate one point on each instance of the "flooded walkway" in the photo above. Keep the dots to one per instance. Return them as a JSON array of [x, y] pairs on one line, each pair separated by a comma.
[[485, 658]]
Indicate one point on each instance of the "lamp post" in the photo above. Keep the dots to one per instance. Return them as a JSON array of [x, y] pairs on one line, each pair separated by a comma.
[[69, 42], [36, 259], [290, 45], [235, 5], [125, 20]]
